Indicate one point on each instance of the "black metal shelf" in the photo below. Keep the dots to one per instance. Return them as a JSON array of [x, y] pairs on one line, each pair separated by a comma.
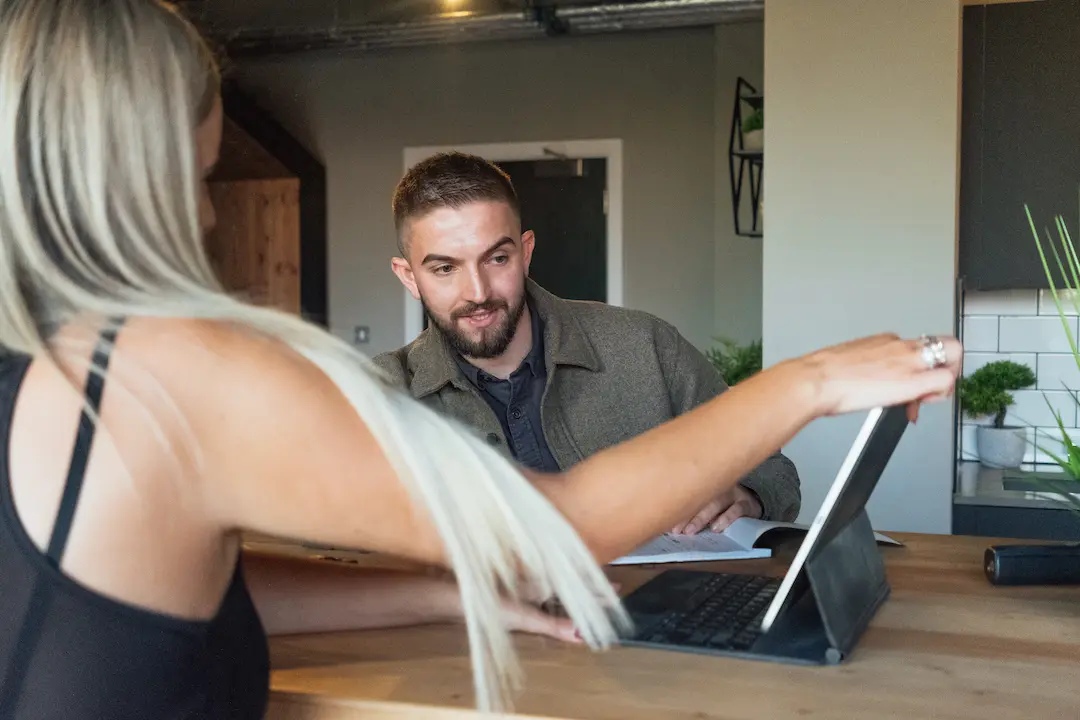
[[754, 100], [748, 154], [745, 164]]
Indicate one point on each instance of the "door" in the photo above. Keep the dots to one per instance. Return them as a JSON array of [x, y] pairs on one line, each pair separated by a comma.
[[563, 203], [255, 248]]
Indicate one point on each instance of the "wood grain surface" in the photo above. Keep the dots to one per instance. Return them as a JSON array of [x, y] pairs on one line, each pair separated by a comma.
[[947, 644]]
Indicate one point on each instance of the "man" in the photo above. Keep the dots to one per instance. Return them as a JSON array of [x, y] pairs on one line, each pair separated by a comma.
[[551, 381]]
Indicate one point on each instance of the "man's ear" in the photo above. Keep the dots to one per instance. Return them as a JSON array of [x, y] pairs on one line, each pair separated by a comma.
[[528, 243], [404, 273]]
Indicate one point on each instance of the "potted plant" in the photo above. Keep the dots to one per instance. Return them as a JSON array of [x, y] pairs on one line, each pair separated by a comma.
[[753, 128], [988, 392], [735, 362]]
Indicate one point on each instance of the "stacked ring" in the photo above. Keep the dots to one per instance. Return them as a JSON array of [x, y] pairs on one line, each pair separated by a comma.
[[933, 352]]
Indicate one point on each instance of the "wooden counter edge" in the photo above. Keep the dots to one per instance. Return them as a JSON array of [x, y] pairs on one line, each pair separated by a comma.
[[305, 706]]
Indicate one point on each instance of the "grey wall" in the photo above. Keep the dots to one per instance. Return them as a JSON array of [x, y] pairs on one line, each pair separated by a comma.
[[655, 91], [740, 50], [861, 169]]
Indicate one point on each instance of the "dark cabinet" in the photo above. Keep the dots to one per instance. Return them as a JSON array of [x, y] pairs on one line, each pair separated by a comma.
[[1020, 137], [1015, 522]]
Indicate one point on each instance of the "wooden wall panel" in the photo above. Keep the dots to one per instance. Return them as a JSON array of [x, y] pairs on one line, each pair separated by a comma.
[[255, 247]]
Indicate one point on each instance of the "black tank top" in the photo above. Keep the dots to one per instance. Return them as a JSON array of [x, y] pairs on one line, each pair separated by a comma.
[[67, 652]]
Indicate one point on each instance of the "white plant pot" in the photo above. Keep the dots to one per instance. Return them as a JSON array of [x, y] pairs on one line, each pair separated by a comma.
[[1001, 447], [754, 140]]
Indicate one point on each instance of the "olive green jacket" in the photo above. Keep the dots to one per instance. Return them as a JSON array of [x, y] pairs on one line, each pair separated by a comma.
[[613, 374]]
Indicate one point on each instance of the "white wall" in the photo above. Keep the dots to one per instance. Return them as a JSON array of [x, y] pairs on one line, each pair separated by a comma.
[[861, 168], [654, 91]]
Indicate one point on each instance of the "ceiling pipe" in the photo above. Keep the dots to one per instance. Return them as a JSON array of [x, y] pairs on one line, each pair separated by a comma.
[[450, 28]]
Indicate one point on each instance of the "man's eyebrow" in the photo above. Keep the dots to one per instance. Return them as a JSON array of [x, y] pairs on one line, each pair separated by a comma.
[[433, 258], [498, 246]]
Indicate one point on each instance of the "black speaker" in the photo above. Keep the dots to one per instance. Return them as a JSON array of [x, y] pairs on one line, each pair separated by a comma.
[[1033, 564]]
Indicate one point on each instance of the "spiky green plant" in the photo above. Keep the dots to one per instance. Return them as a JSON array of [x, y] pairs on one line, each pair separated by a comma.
[[735, 362], [1070, 463]]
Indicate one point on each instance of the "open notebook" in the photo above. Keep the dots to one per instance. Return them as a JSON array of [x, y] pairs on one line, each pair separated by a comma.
[[738, 542]]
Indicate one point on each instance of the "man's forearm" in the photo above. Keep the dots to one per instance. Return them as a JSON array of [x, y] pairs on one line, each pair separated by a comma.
[[776, 483], [301, 596]]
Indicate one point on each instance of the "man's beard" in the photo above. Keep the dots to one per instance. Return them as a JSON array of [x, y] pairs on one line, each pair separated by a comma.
[[493, 340]]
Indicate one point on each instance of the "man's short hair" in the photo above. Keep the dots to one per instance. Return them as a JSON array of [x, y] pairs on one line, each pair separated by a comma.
[[449, 180]]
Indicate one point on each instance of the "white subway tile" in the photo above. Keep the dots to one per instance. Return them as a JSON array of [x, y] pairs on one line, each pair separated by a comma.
[[1068, 299], [1034, 334], [1047, 438], [980, 334], [1002, 302], [975, 360], [966, 447], [1058, 372], [1032, 408], [1033, 443]]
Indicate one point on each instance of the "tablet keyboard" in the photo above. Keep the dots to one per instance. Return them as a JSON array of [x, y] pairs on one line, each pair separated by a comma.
[[723, 613]]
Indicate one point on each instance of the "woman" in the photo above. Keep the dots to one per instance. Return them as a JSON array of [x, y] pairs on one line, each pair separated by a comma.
[[124, 595]]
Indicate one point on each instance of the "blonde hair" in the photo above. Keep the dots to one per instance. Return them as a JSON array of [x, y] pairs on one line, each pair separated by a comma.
[[98, 217]]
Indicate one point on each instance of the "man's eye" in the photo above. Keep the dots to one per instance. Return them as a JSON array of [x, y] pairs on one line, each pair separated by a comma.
[[500, 259], [442, 269]]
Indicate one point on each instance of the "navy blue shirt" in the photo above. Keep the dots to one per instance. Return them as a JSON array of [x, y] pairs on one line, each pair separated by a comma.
[[516, 402]]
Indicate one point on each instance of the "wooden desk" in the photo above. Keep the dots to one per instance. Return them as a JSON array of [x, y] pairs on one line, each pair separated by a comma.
[[946, 644]]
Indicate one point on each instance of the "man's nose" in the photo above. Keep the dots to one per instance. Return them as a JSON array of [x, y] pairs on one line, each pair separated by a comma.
[[478, 289]]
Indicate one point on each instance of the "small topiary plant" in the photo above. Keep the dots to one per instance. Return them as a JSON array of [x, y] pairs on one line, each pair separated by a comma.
[[988, 390], [754, 121]]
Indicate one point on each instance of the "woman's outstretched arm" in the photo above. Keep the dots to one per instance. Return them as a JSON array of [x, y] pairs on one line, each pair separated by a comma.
[[634, 491], [300, 595], [288, 456]]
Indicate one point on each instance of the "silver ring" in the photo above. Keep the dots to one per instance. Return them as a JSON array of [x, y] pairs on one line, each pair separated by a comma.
[[933, 352]]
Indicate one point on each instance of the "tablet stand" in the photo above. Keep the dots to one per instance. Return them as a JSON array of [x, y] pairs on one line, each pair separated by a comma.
[[848, 584]]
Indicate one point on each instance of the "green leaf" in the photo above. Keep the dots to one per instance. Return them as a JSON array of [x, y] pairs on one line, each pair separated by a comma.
[[987, 391], [735, 362], [1050, 279], [1070, 464]]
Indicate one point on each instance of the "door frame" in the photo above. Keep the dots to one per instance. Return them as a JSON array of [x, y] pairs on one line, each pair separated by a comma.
[[608, 148]]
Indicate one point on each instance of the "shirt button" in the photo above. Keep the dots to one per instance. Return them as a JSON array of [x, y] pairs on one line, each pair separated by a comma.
[[515, 413], [492, 439]]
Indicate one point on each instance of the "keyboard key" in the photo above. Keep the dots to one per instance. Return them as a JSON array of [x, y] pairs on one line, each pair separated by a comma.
[[721, 639], [720, 611]]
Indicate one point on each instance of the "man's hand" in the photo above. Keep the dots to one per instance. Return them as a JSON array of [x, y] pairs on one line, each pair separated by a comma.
[[721, 512]]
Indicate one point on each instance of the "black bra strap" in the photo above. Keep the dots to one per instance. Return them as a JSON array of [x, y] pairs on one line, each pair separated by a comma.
[[84, 439]]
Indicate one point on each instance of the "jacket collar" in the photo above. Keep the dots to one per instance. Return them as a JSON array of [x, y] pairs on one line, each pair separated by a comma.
[[432, 362]]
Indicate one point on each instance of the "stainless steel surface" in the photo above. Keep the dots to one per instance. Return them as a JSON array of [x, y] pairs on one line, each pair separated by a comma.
[[979, 485]]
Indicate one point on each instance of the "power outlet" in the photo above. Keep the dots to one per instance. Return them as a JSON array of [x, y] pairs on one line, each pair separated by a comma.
[[361, 334]]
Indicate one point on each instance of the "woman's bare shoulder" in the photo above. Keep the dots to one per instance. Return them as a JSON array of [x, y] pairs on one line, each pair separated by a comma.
[[266, 417], [213, 355], [224, 379], [195, 340]]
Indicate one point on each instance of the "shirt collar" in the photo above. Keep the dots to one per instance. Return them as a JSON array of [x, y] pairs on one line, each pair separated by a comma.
[[431, 359]]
